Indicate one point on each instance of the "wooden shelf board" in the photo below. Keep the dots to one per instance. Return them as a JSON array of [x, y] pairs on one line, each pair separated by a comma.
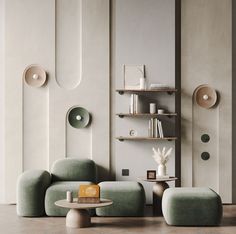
[[145, 114], [145, 138], [146, 90]]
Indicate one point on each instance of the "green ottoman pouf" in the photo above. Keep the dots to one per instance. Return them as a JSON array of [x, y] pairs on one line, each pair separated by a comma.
[[31, 188], [128, 198], [57, 191], [191, 207]]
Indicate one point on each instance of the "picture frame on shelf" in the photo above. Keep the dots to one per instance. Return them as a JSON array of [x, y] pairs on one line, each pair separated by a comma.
[[132, 75], [151, 174]]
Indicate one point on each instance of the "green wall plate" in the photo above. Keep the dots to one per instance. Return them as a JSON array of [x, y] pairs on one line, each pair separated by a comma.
[[78, 117], [205, 156], [205, 138]]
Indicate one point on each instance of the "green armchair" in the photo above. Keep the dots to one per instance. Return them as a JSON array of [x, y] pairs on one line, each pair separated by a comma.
[[37, 190]]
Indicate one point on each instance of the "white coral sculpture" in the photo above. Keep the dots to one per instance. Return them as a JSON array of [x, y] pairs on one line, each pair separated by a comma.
[[161, 157]]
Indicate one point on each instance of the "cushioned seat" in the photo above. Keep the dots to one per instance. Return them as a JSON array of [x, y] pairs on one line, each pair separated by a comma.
[[31, 187], [191, 207], [57, 191], [128, 198], [66, 174]]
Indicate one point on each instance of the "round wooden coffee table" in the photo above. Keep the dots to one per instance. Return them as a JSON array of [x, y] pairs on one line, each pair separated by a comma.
[[78, 215], [158, 189]]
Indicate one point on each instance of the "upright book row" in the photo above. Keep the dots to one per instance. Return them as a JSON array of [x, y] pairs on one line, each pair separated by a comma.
[[155, 129]]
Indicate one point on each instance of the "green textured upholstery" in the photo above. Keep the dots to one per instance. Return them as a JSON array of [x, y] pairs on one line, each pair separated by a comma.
[[57, 191], [71, 169], [67, 174], [128, 198], [31, 188], [191, 207]]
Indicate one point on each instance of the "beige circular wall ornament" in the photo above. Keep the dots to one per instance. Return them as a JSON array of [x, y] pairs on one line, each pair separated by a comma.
[[35, 76], [205, 96]]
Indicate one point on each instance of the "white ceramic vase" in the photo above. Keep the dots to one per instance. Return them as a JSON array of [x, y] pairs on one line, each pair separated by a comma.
[[161, 170]]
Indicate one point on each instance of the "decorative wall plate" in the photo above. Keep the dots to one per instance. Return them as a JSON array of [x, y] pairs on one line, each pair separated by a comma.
[[133, 133], [78, 117], [205, 96], [35, 76]]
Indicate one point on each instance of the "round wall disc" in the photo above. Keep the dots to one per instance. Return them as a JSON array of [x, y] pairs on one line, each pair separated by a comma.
[[205, 96], [205, 156], [78, 117], [35, 76]]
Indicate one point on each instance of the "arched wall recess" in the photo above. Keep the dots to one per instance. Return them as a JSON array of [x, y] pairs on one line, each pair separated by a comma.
[[78, 136], [35, 76], [68, 43]]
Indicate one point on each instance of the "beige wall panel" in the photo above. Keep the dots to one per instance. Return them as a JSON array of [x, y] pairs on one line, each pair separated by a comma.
[[2, 100], [143, 32], [92, 93], [206, 59], [28, 34], [78, 140], [35, 127], [35, 118]]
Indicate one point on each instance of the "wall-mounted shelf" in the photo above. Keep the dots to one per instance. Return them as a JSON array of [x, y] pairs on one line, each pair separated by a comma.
[[145, 138], [121, 115], [166, 90]]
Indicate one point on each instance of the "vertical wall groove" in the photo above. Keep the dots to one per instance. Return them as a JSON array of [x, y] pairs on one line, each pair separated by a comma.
[[68, 43], [178, 93], [234, 97]]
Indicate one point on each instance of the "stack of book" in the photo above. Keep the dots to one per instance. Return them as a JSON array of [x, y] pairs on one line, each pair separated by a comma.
[[134, 104], [155, 128]]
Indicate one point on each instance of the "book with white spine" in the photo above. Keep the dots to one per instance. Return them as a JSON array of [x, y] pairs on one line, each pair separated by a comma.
[[162, 133], [131, 108], [156, 132], [136, 104], [152, 127], [160, 128]]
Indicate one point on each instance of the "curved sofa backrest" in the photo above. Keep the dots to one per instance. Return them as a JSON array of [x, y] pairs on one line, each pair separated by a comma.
[[72, 169]]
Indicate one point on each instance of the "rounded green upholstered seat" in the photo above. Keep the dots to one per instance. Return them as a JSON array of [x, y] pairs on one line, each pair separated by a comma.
[[72, 169], [191, 207], [128, 198], [31, 188]]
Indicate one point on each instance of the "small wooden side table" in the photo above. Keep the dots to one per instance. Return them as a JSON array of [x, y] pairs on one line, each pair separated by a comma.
[[78, 215], [158, 189]]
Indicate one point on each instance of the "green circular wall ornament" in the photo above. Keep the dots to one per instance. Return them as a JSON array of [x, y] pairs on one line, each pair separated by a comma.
[[78, 117], [205, 156], [205, 138]]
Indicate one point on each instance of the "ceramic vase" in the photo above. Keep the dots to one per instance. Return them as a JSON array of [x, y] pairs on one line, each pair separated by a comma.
[[161, 171]]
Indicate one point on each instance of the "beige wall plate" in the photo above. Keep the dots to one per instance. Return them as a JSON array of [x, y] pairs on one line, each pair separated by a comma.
[[35, 76], [206, 96]]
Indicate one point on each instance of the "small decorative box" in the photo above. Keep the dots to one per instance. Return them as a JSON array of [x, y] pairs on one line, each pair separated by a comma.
[[89, 194]]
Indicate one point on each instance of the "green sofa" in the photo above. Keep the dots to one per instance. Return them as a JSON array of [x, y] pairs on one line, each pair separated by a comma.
[[37, 190], [191, 207]]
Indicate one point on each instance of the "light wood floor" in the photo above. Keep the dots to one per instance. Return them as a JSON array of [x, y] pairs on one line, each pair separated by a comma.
[[11, 224]]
